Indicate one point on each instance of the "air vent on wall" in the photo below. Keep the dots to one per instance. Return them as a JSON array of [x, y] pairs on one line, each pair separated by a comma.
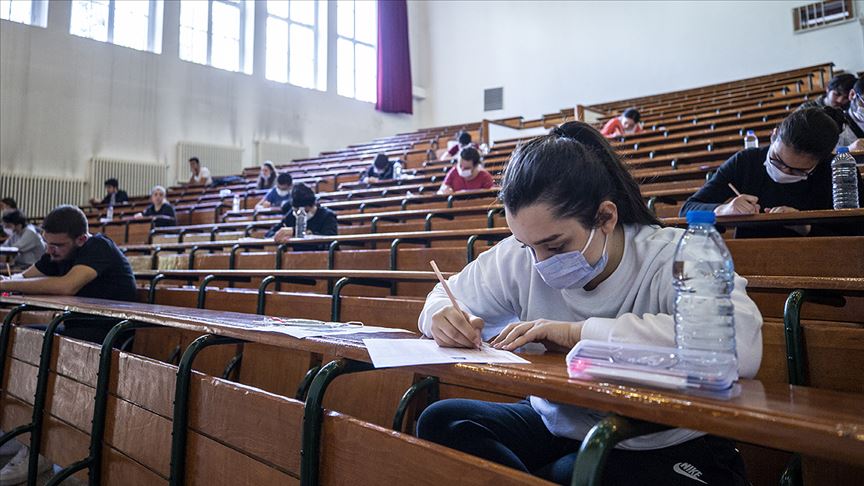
[[822, 14], [493, 99]]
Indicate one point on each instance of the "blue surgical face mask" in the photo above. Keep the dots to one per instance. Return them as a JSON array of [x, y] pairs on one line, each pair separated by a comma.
[[571, 269]]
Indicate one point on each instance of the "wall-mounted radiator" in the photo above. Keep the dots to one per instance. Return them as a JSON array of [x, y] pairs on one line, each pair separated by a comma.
[[135, 177], [221, 160], [37, 196]]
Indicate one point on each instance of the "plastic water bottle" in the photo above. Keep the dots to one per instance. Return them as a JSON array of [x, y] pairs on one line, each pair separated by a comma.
[[109, 213], [703, 276], [235, 203], [397, 169], [844, 178], [300, 223], [751, 140]]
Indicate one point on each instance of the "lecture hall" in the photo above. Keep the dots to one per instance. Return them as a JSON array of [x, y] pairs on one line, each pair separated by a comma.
[[431, 242]]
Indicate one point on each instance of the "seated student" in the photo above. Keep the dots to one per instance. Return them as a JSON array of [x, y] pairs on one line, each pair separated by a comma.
[[24, 237], [200, 175], [267, 176], [279, 195], [586, 260], [76, 262], [114, 195], [467, 175], [792, 173], [836, 95], [320, 220], [625, 124], [161, 210], [852, 134], [464, 141], [7, 204], [381, 169]]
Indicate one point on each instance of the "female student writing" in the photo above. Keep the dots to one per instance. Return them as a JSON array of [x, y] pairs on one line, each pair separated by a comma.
[[587, 260]]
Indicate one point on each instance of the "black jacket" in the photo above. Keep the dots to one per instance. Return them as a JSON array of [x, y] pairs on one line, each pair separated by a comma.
[[745, 170], [323, 223], [119, 197]]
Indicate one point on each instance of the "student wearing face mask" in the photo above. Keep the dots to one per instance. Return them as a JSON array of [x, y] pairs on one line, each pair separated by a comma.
[[792, 173], [279, 195], [468, 174], [320, 220], [586, 260], [852, 135], [23, 236], [380, 170]]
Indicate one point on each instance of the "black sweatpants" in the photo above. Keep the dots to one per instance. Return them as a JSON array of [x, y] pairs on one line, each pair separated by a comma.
[[513, 434]]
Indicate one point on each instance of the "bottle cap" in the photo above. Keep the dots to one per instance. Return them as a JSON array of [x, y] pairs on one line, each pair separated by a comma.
[[751, 132], [842, 150], [697, 217]]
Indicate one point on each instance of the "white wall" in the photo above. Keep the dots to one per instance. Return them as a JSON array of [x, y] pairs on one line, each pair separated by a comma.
[[65, 99], [552, 55]]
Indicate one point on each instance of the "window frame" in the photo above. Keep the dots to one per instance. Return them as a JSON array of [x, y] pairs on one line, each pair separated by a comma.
[[243, 66], [153, 30], [38, 14], [354, 42], [317, 83]]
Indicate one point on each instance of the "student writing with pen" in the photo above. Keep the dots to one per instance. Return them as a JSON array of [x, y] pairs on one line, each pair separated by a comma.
[[791, 173], [586, 260]]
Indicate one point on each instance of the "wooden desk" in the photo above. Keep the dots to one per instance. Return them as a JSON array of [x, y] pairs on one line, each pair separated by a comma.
[[822, 216], [817, 422], [326, 240]]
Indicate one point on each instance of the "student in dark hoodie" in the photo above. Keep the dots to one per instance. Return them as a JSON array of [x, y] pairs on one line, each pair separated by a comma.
[[320, 220]]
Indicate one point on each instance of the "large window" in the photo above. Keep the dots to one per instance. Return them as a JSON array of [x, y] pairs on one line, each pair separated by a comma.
[[135, 24], [217, 33], [297, 42], [356, 52], [32, 12]]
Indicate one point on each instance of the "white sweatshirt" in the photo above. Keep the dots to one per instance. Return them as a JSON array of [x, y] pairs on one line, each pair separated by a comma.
[[634, 304]]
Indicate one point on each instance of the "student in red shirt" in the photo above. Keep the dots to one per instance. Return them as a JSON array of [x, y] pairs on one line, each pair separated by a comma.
[[464, 141], [467, 175], [626, 124]]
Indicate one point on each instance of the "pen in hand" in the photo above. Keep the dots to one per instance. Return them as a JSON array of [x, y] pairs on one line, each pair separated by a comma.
[[450, 294]]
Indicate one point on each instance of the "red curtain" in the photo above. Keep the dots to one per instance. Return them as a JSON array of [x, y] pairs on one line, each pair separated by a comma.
[[394, 58]]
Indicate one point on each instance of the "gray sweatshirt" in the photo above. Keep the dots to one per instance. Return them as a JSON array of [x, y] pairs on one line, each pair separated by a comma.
[[30, 246], [634, 304]]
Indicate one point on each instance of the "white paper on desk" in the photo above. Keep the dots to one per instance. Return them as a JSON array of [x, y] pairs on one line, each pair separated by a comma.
[[301, 332], [386, 353]]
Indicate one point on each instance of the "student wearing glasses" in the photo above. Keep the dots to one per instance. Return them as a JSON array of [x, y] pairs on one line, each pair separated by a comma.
[[792, 173]]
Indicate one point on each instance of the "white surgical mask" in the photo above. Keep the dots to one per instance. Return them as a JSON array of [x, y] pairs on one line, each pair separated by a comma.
[[571, 269], [856, 109], [8, 231], [781, 177], [282, 192], [465, 173]]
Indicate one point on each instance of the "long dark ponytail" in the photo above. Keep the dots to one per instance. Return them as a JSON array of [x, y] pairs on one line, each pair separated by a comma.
[[573, 169]]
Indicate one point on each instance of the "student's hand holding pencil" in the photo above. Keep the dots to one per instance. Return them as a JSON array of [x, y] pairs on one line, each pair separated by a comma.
[[451, 326], [740, 204]]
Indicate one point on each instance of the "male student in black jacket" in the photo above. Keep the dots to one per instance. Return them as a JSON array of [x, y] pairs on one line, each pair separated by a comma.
[[113, 194], [792, 173], [320, 220]]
